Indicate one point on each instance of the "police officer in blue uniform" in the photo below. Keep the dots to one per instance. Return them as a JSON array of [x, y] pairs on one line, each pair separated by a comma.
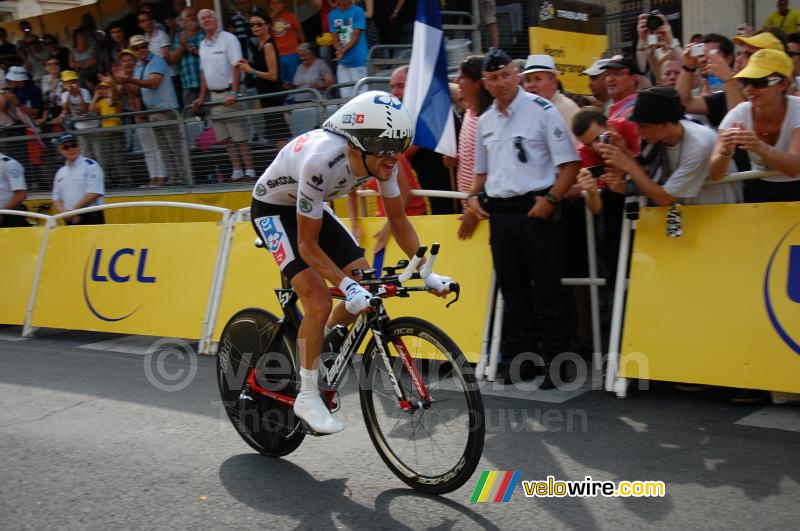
[[78, 184], [13, 191], [524, 163]]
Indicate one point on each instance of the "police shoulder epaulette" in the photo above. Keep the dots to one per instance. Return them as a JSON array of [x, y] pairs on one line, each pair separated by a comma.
[[543, 103], [90, 161]]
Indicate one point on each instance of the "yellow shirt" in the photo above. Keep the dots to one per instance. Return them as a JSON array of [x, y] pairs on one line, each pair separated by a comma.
[[105, 107], [788, 23]]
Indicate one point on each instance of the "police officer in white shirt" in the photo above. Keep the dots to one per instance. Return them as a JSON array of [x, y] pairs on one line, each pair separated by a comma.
[[525, 162], [78, 184], [13, 191]]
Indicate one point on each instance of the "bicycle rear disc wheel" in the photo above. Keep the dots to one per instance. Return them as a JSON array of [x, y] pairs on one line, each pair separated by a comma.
[[267, 425], [433, 448]]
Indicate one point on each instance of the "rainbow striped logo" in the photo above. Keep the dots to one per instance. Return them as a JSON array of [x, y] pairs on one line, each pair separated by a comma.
[[495, 486]]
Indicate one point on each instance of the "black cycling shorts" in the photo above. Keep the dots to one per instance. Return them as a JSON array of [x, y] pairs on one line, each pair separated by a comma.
[[276, 225]]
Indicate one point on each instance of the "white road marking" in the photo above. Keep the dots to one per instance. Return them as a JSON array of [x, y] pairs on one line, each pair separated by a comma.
[[785, 418]]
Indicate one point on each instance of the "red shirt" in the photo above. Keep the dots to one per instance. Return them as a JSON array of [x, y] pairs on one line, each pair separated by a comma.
[[625, 129], [622, 108], [416, 205]]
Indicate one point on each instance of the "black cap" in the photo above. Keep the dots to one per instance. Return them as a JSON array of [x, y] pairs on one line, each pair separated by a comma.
[[495, 60], [656, 105], [622, 61]]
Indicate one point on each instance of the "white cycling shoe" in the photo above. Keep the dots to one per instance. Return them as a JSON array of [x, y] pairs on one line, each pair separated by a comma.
[[312, 410]]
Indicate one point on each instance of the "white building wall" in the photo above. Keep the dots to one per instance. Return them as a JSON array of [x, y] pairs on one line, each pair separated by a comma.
[[712, 16]]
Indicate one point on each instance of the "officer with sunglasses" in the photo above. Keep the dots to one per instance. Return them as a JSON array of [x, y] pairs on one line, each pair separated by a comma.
[[78, 184], [525, 162]]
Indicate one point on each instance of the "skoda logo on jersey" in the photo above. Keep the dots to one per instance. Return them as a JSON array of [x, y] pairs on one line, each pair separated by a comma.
[[782, 288], [388, 100], [107, 268]]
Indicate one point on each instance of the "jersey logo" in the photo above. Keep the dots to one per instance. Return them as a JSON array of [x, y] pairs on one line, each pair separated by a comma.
[[317, 179], [333, 162], [305, 205], [359, 119], [395, 133], [260, 190], [274, 238], [301, 141]]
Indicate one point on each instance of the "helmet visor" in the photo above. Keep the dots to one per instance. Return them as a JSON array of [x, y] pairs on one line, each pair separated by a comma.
[[385, 147]]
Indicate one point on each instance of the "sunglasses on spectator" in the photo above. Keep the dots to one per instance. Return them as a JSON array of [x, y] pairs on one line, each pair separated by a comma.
[[138, 47], [520, 150], [256, 24], [760, 83], [69, 145]]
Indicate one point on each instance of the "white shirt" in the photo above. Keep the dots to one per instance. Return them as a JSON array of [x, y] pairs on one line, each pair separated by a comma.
[[744, 113], [12, 178], [690, 158], [217, 58], [310, 170], [542, 133], [73, 181], [156, 43], [75, 108]]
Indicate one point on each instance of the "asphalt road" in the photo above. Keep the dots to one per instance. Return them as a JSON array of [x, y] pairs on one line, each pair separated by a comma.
[[87, 441]]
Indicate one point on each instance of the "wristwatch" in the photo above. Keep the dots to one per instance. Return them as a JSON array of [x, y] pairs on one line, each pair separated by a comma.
[[551, 198]]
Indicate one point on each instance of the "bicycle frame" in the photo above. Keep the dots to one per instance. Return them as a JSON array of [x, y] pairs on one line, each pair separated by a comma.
[[374, 321]]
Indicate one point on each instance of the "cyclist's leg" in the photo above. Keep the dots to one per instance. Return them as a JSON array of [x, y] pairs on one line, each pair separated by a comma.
[[340, 315]]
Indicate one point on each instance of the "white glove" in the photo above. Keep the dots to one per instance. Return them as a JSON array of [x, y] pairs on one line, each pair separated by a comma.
[[438, 282], [356, 297]]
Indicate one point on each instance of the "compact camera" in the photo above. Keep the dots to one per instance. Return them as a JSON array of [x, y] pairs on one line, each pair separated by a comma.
[[697, 50]]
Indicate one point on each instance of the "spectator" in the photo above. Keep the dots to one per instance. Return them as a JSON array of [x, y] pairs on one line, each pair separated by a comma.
[[524, 164], [716, 63], [697, 38], [476, 100], [597, 84], [112, 46], [676, 154], [265, 69], [132, 102], [52, 88], [622, 77], [670, 70], [312, 72], [785, 19], [348, 23], [649, 53], [56, 50], [131, 21], [111, 155], [750, 45], [35, 56], [158, 43], [13, 191], [83, 58], [75, 102], [793, 51], [385, 14], [174, 22], [219, 54], [540, 77], [288, 34], [8, 52], [78, 184], [488, 12], [24, 96], [186, 53], [151, 76], [767, 127], [238, 25]]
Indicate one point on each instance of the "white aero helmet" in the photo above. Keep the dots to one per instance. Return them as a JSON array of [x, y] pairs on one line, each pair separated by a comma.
[[375, 122]]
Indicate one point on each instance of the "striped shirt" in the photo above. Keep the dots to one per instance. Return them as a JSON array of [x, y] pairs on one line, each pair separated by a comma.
[[190, 63], [466, 153]]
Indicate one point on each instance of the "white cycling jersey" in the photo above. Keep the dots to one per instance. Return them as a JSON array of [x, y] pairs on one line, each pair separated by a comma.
[[310, 170]]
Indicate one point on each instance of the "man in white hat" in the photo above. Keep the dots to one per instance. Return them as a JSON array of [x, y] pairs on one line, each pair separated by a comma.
[[540, 77], [597, 84], [25, 97]]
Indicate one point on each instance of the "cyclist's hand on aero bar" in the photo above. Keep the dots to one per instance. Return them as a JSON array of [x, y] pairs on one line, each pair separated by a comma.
[[438, 283], [356, 297]]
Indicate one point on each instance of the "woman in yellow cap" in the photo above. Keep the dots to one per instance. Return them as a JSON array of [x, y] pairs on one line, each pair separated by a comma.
[[767, 126]]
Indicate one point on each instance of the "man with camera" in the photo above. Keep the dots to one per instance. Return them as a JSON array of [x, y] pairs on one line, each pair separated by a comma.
[[656, 42], [673, 165]]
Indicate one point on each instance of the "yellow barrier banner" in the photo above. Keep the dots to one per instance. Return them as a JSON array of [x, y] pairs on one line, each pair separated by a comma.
[[134, 279], [252, 276], [573, 53], [719, 305], [19, 248]]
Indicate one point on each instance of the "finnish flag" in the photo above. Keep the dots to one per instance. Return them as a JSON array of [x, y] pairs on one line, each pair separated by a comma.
[[427, 94]]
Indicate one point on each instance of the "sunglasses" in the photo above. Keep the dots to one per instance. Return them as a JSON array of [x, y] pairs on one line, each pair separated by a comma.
[[760, 83], [69, 145], [520, 150], [256, 24], [139, 47]]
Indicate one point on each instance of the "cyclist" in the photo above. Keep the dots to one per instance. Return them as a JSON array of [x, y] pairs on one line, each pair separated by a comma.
[[363, 138]]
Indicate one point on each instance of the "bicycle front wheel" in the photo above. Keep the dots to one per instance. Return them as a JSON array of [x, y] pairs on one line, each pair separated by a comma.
[[434, 445]]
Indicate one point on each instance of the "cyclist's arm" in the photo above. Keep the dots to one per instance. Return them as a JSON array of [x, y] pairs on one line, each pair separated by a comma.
[[310, 251], [402, 230]]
